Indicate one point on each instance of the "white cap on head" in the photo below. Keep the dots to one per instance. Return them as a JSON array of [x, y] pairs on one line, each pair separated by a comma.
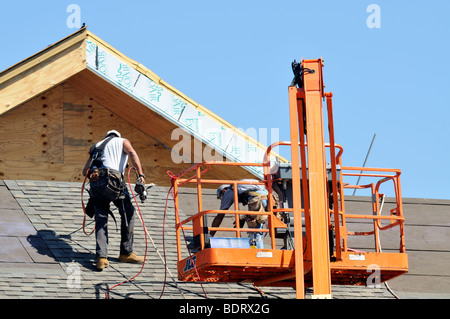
[[113, 132]]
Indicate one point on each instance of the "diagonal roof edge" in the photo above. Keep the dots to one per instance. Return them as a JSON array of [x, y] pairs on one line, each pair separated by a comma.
[[42, 71], [79, 39], [44, 54], [155, 78]]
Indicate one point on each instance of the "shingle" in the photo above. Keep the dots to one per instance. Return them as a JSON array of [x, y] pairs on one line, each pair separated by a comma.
[[54, 210]]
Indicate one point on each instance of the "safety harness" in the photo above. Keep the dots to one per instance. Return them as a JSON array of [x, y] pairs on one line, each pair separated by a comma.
[[115, 186], [96, 162]]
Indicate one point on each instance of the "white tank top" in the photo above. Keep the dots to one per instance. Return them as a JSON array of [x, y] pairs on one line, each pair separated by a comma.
[[113, 155]]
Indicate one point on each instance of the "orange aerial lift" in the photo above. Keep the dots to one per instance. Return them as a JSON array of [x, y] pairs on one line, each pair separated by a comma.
[[311, 218]]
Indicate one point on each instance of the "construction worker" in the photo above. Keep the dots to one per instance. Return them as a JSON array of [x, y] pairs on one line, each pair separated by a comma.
[[256, 198], [105, 166]]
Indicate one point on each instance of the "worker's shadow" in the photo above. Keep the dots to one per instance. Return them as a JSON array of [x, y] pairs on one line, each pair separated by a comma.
[[58, 247]]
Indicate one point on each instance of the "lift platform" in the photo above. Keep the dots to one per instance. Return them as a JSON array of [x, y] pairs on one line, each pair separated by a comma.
[[311, 203]]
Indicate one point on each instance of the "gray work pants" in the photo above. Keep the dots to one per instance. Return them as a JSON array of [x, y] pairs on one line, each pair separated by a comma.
[[102, 209]]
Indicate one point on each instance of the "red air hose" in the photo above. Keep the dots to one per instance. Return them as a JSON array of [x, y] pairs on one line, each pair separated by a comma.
[[84, 208], [146, 234], [164, 244], [143, 225], [173, 179]]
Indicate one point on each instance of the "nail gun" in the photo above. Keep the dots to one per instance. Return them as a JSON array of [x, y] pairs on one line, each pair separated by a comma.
[[141, 190]]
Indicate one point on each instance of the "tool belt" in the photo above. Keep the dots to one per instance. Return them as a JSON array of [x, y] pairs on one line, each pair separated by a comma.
[[115, 185], [255, 205]]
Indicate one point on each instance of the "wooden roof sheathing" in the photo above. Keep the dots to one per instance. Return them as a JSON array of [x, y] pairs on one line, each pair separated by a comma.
[[170, 103], [42, 71], [86, 63]]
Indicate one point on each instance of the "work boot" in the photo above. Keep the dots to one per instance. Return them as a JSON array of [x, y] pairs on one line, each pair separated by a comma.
[[102, 263], [131, 258]]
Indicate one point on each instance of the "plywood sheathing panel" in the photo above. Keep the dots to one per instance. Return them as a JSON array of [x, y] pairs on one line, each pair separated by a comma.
[[46, 73], [86, 121], [145, 120], [78, 130], [48, 138], [80, 106], [34, 132], [122, 104], [31, 139]]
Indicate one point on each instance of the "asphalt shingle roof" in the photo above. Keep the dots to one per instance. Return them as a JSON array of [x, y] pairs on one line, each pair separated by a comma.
[[46, 254]]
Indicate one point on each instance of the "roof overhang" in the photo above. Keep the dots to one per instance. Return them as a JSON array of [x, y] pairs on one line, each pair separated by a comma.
[[131, 91]]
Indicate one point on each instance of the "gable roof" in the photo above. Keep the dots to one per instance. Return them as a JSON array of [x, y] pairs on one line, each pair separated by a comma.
[[131, 91]]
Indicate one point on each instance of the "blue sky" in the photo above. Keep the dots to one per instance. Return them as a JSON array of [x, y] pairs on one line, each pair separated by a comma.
[[234, 57]]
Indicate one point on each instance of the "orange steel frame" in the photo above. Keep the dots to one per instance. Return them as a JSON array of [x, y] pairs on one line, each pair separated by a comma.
[[309, 264]]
